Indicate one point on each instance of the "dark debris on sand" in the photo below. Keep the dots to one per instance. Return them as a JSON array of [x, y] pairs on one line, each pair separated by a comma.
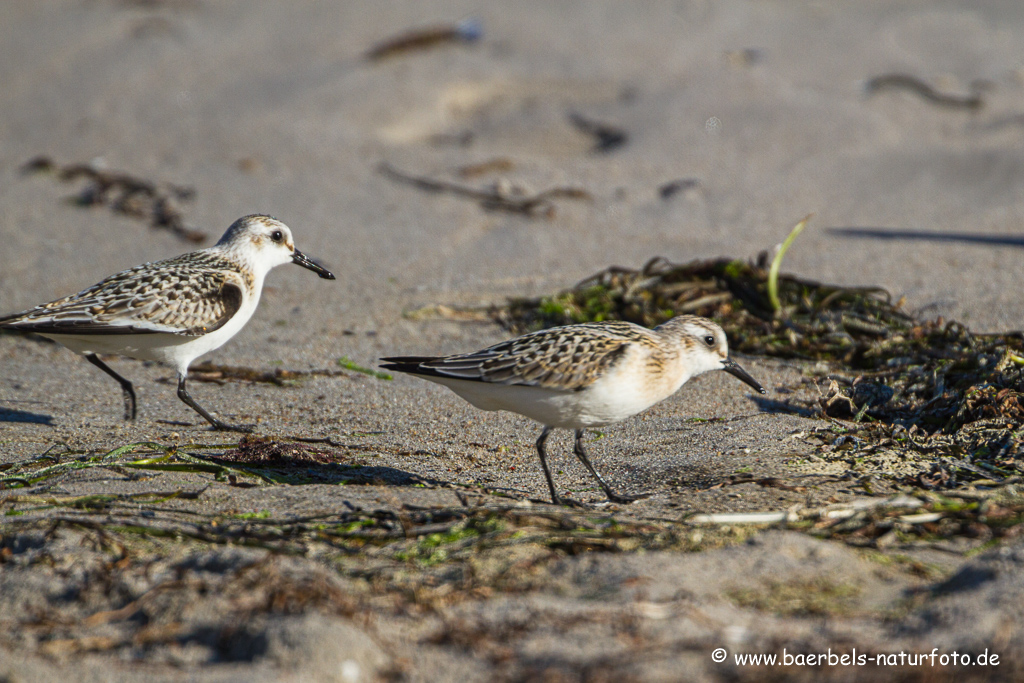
[[264, 451], [155, 202]]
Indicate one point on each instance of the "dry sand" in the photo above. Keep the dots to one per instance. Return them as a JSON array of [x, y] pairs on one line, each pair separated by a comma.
[[271, 107]]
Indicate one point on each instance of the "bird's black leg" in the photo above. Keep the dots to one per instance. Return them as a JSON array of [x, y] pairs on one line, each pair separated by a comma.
[[544, 463], [542, 452], [191, 403], [581, 453], [126, 386]]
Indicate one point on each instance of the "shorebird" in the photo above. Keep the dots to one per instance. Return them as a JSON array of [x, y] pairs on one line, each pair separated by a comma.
[[172, 311], [582, 376]]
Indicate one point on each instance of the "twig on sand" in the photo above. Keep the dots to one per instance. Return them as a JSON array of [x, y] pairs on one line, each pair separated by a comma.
[[219, 374], [496, 198], [925, 91], [126, 194], [467, 31]]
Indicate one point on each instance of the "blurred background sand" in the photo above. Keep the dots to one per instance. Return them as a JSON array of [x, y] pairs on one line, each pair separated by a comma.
[[270, 107]]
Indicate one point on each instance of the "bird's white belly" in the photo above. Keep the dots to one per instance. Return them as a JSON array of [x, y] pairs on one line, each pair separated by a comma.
[[611, 399], [157, 346]]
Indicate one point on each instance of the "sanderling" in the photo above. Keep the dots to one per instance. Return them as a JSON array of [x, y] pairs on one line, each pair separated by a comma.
[[582, 376], [171, 311]]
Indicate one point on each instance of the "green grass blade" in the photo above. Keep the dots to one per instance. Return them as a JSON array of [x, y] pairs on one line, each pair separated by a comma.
[[773, 273], [349, 364]]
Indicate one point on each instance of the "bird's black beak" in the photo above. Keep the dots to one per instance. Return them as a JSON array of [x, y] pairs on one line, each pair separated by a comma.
[[733, 368], [301, 259]]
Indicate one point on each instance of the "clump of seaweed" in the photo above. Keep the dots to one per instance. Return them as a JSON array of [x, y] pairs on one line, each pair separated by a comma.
[[931, 520], [885, 365], [265, 451], [144, 455], [857, 327], [271, 461]]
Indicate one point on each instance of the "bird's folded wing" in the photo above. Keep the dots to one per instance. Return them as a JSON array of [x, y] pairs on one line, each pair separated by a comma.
[[568, 363], [174, 296]]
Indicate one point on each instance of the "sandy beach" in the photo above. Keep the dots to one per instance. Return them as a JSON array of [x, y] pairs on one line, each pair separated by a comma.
[[685, 130]]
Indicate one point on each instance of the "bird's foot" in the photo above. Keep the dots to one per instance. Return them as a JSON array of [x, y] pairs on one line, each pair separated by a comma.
[[225, 427], [627, 498], [569, 502]]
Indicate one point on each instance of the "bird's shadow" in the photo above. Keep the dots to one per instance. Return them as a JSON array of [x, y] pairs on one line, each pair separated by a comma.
[[928, 236], [388, 476], [299, 470], [770, 405], [13, 415]]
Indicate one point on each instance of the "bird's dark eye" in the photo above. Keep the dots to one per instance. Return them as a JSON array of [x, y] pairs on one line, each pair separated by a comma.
[[709, 340], [276, 236]]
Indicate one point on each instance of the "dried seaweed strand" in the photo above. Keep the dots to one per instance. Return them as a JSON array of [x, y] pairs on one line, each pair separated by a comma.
[[126, 194], [924, 90], [220, 374], [539, 204], [467, 31]]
